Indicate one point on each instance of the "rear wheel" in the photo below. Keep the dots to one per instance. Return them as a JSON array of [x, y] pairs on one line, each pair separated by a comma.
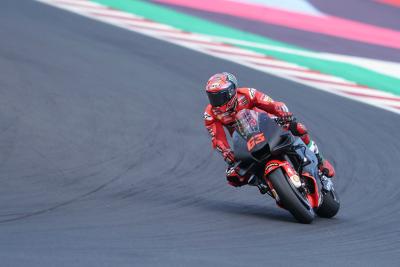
[[290, 198], [330, 205]]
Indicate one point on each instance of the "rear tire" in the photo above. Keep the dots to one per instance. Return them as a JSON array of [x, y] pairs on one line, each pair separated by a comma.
[[330, 205], [289, 199]]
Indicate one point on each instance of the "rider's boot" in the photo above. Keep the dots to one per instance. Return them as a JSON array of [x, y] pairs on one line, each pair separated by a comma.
[[324, 165]]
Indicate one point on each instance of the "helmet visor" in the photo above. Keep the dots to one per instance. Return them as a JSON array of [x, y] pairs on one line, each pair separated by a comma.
[[221, 97]]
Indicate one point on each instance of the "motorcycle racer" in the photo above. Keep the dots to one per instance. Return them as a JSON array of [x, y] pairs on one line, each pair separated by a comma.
[[226, 99]]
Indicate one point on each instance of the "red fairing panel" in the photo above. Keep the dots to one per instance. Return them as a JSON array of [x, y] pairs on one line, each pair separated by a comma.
[[275, 164], [314, 197]]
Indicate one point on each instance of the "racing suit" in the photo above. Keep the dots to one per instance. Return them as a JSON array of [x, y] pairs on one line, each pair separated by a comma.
[[248, 98]]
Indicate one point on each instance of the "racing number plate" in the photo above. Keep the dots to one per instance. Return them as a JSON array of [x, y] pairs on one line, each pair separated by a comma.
[[255, 140]]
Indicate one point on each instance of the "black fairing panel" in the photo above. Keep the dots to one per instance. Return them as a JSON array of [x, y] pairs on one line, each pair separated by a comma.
[[240, 148], [272, 133]]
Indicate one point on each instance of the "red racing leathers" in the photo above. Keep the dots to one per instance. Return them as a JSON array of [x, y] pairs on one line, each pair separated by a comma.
[[248, 98]]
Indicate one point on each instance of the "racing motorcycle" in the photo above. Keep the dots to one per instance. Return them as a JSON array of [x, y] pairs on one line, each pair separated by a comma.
[[282, 166]]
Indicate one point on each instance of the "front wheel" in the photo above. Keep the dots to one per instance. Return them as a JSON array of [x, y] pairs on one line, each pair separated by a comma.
[[330, 205], [290, 198]]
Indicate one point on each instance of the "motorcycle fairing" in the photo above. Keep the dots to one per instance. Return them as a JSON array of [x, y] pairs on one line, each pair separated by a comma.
[[313, 196]]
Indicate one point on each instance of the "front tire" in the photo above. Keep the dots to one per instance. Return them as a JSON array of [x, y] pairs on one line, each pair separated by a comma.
[[289, 198], [330, 205]]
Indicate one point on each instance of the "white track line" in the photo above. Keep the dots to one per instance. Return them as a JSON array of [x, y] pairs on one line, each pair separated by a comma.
[[214, 46]]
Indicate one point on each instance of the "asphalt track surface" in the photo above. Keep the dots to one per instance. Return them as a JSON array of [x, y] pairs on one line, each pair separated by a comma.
[[104, 160]]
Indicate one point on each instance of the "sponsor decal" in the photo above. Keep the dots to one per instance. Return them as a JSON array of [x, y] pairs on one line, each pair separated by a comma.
[[226, 118], [207, 116], [295, 180], [266, 98], [290, 171], [211, 132], [252, 92], [270, 166], [243, 100], [214, 85]]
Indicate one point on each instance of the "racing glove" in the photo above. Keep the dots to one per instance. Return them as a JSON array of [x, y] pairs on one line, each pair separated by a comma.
[[283, 112], [286, 119]]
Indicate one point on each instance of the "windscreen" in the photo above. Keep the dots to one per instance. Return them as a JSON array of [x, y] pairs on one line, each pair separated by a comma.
[[247, 123]]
